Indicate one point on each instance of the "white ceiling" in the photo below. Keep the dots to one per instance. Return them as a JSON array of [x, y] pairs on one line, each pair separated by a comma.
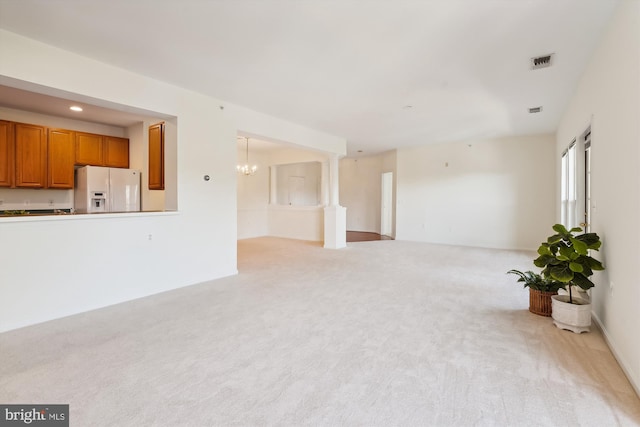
[[346, 67], [59, 106]]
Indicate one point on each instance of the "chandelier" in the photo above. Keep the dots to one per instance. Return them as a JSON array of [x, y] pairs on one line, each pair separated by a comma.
[[246, 169]]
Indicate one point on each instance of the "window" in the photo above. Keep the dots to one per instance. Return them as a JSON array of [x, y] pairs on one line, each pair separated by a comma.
[[568, 190], [587, 180]]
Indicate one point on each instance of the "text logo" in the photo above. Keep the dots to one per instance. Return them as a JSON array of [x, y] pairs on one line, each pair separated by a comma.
[[34, 415]]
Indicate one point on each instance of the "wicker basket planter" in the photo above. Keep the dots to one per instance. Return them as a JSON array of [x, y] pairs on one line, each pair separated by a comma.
[[540, 302]]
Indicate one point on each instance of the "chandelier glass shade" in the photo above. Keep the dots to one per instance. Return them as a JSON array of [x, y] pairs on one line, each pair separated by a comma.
[[246, 169]]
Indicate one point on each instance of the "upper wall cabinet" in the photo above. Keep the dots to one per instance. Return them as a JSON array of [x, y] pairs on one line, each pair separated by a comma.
[[60, 158], [7, 156], [31, 156], [89, 149], [156, 157], [100, 150], [116, 152]]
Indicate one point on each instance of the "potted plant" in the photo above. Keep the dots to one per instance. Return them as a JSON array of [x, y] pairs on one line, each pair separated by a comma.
[[565, 257], [541, 289]]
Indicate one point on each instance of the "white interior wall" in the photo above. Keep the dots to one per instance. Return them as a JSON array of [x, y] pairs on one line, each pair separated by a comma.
[[272, 129], [167, 199], [296, 222], [34, 199], [138, 134], [253, 196], [287, 155], [361, 192], [389, 164], [256, 217], [135, 254], [138, 159], [608, 99], [70, 250], [309, 194], [487, 193]]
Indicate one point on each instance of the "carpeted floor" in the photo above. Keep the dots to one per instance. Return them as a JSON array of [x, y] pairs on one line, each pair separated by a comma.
[[383, 333]]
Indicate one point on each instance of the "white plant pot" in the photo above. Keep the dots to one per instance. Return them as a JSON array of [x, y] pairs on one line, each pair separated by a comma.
[[573, 317]]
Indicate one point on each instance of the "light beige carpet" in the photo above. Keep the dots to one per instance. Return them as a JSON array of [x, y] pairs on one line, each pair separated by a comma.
[[384, 333]]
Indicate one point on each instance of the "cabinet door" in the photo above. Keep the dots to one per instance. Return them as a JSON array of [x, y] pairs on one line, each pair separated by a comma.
[[116, 152], [7, 156], [89, 149], [60, 158], [156, 157], [31, 156]]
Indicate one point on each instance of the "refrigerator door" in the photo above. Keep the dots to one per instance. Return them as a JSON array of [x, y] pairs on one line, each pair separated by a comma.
[[92, 189], [124, 190]]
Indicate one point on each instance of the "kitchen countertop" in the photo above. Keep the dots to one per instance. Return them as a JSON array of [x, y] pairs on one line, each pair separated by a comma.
[[24, 212], [80, 216]]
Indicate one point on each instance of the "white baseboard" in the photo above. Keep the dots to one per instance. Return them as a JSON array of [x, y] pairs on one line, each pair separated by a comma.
[[619, 358]]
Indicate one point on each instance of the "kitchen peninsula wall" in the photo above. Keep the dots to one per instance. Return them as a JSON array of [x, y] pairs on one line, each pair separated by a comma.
[[49, 199]]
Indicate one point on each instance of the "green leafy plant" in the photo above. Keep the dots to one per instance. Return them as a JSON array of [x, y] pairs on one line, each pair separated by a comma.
[[535, 281], [565, 257]]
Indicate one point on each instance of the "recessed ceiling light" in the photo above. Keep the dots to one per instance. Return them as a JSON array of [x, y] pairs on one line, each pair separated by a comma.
[[75, 108]]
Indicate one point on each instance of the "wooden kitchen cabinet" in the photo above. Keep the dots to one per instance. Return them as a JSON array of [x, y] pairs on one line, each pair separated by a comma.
[[156, 157], [116, 152], [31, 156], [61, 158], [89, 149], [101, 150], [7, 156]]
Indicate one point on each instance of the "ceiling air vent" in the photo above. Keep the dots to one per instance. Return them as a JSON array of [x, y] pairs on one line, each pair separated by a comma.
[[535, 110], [541, 62]]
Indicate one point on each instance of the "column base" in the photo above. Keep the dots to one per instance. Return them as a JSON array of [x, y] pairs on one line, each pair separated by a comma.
[[335, 227]]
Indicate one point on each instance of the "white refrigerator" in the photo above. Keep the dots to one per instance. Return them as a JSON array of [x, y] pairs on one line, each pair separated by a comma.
[[100, 189]]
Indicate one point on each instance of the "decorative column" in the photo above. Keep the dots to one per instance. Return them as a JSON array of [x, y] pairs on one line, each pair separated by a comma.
[[324, 184], [273, 185], [335, 216], [334, 181]]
